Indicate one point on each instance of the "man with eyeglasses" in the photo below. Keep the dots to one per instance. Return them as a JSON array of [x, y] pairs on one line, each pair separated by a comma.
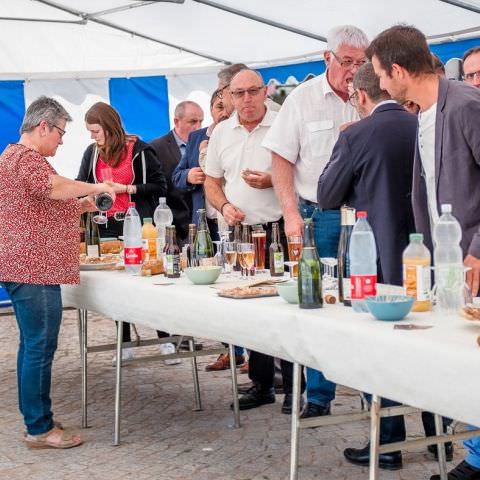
[[301, 141], [471, 67], [239, 186], [447, 159]]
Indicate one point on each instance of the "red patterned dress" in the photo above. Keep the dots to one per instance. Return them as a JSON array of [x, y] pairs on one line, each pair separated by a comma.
[[39, 236]]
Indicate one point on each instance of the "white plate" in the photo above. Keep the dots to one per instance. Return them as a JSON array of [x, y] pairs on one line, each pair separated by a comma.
[[97, 266]]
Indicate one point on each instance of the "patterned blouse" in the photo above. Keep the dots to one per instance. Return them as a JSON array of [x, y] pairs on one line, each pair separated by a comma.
[[39, 237]]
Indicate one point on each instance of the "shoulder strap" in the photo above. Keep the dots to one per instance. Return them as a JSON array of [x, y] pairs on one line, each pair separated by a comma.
[[92, 160]]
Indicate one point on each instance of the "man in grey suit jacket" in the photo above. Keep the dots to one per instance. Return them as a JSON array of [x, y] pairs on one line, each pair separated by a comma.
[[447, 158]]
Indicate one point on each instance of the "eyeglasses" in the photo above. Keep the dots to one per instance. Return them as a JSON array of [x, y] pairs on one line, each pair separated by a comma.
[[252, 91], [348, 63], [61, 130], [220, 91], [353, 98], [469, 77]]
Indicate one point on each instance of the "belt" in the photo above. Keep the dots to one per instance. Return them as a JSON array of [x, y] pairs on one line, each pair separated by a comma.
[[307, 202], [118, 216]]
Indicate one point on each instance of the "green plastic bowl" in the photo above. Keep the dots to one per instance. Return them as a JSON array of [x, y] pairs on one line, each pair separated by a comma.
[[203, 275], [389, 308], [288, 291]]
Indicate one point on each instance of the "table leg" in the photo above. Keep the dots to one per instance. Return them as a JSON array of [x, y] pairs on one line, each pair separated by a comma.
[[82, 323], [233, 371], [442, 461], [295, 433], [374, 436], [196, 384], [118, 381]]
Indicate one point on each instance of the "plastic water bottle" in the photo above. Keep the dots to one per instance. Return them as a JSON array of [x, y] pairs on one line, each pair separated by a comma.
[[162, 217], [363, 263], [448, 261], [132, 241]]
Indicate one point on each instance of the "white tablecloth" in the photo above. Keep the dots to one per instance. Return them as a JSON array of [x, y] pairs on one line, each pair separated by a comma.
[[436, 369]]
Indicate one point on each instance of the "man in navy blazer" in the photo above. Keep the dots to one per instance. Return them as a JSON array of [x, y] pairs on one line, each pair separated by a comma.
[[371, 168], [188, 175]]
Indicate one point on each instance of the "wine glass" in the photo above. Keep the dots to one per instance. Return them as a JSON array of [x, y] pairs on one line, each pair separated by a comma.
[[329, 280], [218, 257], [230, 254], [247, 256], [106, 176]]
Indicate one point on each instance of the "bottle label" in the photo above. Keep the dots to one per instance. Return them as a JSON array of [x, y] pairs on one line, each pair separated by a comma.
[[173, 264], [160, 243], [346, 289], [278, 265], [93, 251], [133, 255], [417, 281], [145, 251], [362, 286], [152, 248]]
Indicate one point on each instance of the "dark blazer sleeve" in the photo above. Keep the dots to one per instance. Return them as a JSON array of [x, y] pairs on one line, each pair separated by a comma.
[[84, 174], [156, 184], [337, 177], [180, 174]]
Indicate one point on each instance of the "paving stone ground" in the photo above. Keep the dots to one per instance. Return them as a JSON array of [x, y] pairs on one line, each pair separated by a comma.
[[162, 438]]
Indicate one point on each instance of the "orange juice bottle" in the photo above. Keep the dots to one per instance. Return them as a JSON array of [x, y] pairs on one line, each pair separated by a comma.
[[149, 240], [417, 273]]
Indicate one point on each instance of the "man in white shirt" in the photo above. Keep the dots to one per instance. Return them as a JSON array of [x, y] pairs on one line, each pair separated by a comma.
[[301, 141], [447, 160], [237, 161]]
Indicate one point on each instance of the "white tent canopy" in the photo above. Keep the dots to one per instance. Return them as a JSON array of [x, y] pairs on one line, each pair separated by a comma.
[[107, 38]]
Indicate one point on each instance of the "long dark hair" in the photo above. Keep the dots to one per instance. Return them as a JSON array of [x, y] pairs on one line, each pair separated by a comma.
[[115, 137]]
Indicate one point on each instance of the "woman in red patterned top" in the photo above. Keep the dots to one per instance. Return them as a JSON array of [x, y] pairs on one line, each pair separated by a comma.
[[39, 237], [137, 175]]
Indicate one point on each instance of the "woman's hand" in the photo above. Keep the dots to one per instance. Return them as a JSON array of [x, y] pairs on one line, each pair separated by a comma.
[[109, 188], [117, 187], [87, 204]]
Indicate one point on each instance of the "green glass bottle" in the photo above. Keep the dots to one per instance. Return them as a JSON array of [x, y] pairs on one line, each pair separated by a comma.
[[203, 246], [309, 271]]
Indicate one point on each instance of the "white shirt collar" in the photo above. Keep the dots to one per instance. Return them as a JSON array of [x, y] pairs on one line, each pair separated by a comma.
[[267, 120]]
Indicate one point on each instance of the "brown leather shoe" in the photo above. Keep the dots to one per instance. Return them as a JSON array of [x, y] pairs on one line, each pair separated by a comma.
[[244, 368], [223, 362]]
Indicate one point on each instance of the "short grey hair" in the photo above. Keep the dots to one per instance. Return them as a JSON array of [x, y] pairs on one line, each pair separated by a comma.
[[226, 74], [367, 80], [181, 107], [43, 108], [346, 35]]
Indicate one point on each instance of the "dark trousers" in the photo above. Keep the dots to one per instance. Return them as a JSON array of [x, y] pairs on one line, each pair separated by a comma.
[[392, 429], [261, 371]]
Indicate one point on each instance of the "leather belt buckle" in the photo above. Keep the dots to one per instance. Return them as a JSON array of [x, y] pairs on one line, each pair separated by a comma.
[[119, 216]]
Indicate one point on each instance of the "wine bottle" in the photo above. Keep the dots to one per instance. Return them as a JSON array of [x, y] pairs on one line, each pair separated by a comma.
[[309, 272], [104, 202], [347, 223], [172, 254], [92, 237], [192, 233], [276, 253], [203, 246]]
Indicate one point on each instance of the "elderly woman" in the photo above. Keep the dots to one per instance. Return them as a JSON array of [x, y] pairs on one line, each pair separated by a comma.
[[39, 242]]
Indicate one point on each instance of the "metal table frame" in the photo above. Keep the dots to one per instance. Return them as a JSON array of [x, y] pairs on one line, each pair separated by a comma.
[[374, 415], [119, 345]]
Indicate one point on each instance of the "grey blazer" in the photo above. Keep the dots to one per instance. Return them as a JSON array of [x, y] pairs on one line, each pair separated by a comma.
[[457, 164]]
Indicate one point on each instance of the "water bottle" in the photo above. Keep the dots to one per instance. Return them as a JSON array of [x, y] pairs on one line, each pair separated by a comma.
[[162, 217], [363, 263], [132, 241], [448, 261]]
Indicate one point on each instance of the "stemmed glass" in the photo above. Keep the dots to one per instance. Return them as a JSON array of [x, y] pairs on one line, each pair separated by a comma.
[[247, 256], [230, 254], [106, 175], [329, 279], [218, 257]]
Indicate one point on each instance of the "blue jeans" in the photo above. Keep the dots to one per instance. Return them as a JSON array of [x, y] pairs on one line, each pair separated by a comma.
[[326, 228], [38, 309], [473, 447]]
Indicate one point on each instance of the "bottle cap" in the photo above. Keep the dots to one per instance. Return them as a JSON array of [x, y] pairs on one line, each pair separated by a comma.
[[362, 214], [147, 220], [416, 237], [446, 208]]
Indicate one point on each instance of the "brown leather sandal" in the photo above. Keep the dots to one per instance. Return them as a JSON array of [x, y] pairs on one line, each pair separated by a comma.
[[63, 440]]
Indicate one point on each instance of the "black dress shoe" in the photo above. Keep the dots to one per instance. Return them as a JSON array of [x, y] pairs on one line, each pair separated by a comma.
[[463, 471], [287, 404], [314, 410], [448, 451], [361, 456], [256, 398]]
